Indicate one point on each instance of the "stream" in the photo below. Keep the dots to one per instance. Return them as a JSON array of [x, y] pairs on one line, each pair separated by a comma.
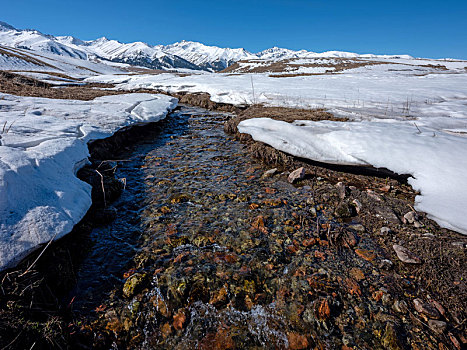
[[206, 252]]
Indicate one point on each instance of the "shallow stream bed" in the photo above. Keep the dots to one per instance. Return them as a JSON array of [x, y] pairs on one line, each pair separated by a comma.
[[207, 253]]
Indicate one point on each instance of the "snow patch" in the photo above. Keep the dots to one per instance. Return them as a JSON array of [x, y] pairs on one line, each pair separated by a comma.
[[436, 161], [43, 145]]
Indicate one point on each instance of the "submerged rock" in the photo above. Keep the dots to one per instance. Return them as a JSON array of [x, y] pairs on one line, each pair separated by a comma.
[[390, 340], [297, 341], [437, 326], [385, 230], [133, 284], [400, 306]]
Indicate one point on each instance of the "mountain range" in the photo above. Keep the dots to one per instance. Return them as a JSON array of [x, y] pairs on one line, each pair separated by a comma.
[[181, 55]]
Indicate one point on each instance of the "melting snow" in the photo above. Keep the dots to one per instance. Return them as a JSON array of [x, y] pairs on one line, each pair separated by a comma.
[[42, 145], [435, 159]]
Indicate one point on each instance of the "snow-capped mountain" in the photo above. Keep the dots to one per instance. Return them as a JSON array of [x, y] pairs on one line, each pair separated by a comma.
[[35, 40], [184, 54], [277, 53], [5, 26], [211, 58], [137, 53]]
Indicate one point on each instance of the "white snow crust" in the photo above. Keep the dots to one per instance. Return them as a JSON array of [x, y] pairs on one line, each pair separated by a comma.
[[43, 143]]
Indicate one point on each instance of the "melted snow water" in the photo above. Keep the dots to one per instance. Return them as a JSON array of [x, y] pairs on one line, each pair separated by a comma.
[[204, 252]]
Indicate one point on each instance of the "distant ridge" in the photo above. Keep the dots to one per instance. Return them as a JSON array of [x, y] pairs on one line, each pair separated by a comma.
[[180, 55]]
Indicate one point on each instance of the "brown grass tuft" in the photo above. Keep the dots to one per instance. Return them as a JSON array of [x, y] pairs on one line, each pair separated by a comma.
[[288, 115]]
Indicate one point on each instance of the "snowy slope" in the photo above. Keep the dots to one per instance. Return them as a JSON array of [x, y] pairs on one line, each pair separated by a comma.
[[137, 53], [22, 60], [35, 40], [46, 143]]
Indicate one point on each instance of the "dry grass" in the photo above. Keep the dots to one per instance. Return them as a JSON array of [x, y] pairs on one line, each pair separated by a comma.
[[288, 115], [20, 85], [288, 66], [54, 74]]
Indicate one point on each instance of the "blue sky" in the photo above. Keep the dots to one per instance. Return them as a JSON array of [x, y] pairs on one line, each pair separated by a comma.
[[420, 28]]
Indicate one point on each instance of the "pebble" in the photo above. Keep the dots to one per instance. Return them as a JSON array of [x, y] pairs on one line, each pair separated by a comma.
[[454, 341], [438, 307], [297, 341], [437, 326], [296, 175], [343, 210], [358, 227], [269, 173], [365, 254], [409, 217], [373, 195], [386, 299], [341, 189], [400, 306], [358, 205], [386, 188], [386, 264], [385, 230], [406, 255], [426, 309], [132, 284]]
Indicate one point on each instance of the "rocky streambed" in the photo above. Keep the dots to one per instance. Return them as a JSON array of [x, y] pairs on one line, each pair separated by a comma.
[[208, 248], [212, 249]]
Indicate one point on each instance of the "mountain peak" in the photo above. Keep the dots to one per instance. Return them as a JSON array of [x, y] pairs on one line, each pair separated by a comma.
[[101, 40], [5, 26], [70, 40]]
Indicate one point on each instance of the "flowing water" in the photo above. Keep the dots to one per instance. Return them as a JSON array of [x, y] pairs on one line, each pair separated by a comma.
[[206, 252]]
